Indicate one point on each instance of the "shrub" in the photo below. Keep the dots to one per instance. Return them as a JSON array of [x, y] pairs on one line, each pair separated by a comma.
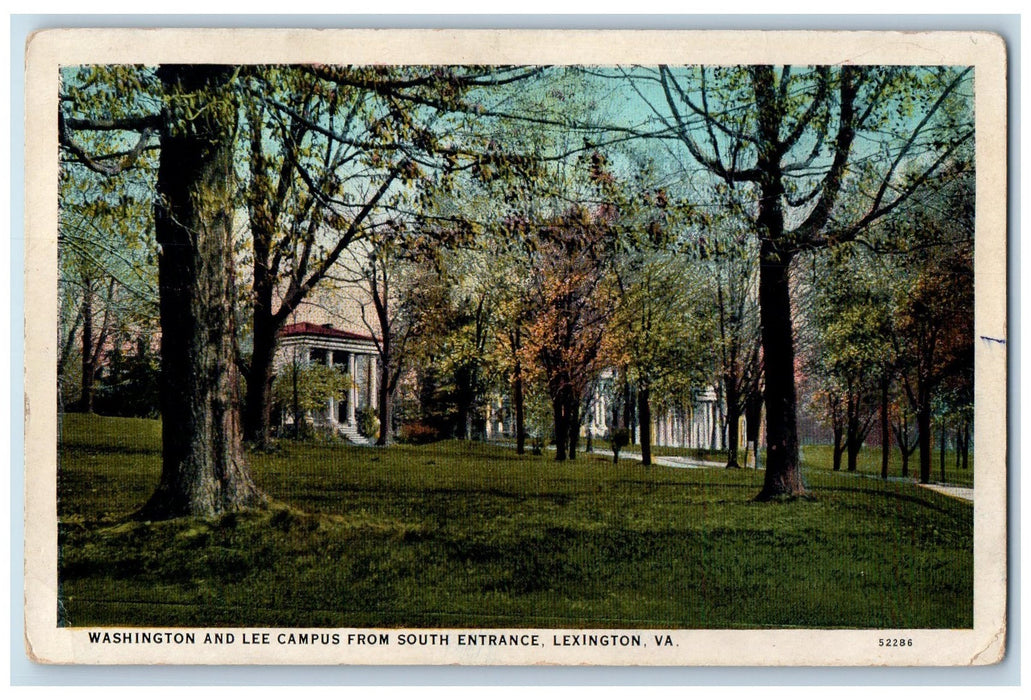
[[620, 438], [129, 387], [368, 422], [417, 433]]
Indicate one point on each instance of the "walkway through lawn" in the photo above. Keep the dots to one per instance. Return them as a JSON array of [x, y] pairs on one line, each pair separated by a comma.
[[963, 493]]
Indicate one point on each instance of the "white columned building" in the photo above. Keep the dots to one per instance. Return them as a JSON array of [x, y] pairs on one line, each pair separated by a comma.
[[311, 343]]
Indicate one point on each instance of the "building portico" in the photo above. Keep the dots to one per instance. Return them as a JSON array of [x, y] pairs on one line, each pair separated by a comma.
[[355, 354]]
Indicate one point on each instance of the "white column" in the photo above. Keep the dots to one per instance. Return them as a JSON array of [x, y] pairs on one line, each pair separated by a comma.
[[352, 391], [374, 382], [332, 401]]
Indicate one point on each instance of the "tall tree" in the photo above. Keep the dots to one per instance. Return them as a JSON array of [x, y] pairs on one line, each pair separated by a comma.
[[204, 471], [851, 314], [931, 240], [107, 280], [936, 333], [570, 282], [661, 328], [734, 277], [662, 335], [788, 137], [400, 297], [333, 151], [315, 173]]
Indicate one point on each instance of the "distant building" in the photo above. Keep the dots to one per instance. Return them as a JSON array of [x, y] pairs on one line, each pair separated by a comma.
[[698, 423], [302, 344]]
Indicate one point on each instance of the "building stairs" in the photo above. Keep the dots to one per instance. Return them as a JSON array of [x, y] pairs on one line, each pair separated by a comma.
[[350, 432]]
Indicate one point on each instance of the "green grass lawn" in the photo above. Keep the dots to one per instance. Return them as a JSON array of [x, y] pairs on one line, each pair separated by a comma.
[[464, 534], [820, 457]]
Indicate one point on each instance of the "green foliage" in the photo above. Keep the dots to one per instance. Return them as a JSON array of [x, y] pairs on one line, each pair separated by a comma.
[[368, 422], [315, 385], [851, 325], [362, 537], [130, 383], [493, 248]]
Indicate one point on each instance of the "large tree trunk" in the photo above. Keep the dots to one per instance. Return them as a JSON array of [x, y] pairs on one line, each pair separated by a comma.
[[855, 433], [89, 367], [204, 471], [838, 447], [733, 417], [520, 411], [644, 414], [561, 420], [885, 434], [923, 426], [783, 476], [573, 427], [965, 452], [385, 393], [629, 420], [258, 406], [853, 444]]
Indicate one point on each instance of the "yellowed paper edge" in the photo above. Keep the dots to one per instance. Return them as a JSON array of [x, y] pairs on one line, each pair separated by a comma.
[[47, 51]]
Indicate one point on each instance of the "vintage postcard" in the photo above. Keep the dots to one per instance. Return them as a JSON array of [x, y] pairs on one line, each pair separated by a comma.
[[515, 347]]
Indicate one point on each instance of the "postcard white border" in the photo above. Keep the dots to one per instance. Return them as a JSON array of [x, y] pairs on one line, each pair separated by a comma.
[[985, 643]]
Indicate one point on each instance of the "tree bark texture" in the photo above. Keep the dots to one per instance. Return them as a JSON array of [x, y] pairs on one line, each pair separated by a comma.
[[258, 405], [885, 432], [853, 445], [644, 412], [561, 421], [89, 367], [923, 426], [783, 476], [573, 428], [838, 447], [629, 415], [753, 417], [520, 411], [385, 393], [257, 408], [733, 418], [204, 471]]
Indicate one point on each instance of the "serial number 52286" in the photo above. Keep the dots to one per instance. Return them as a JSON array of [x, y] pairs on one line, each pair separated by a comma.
[[895, 642]]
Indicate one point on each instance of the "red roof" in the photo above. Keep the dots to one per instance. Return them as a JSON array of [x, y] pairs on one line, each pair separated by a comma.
[[325, 331]]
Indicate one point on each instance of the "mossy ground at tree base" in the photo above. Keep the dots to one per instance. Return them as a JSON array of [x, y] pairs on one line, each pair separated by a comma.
[[470, 535]]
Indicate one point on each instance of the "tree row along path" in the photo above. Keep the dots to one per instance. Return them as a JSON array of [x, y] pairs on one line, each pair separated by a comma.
[[963, 493]]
